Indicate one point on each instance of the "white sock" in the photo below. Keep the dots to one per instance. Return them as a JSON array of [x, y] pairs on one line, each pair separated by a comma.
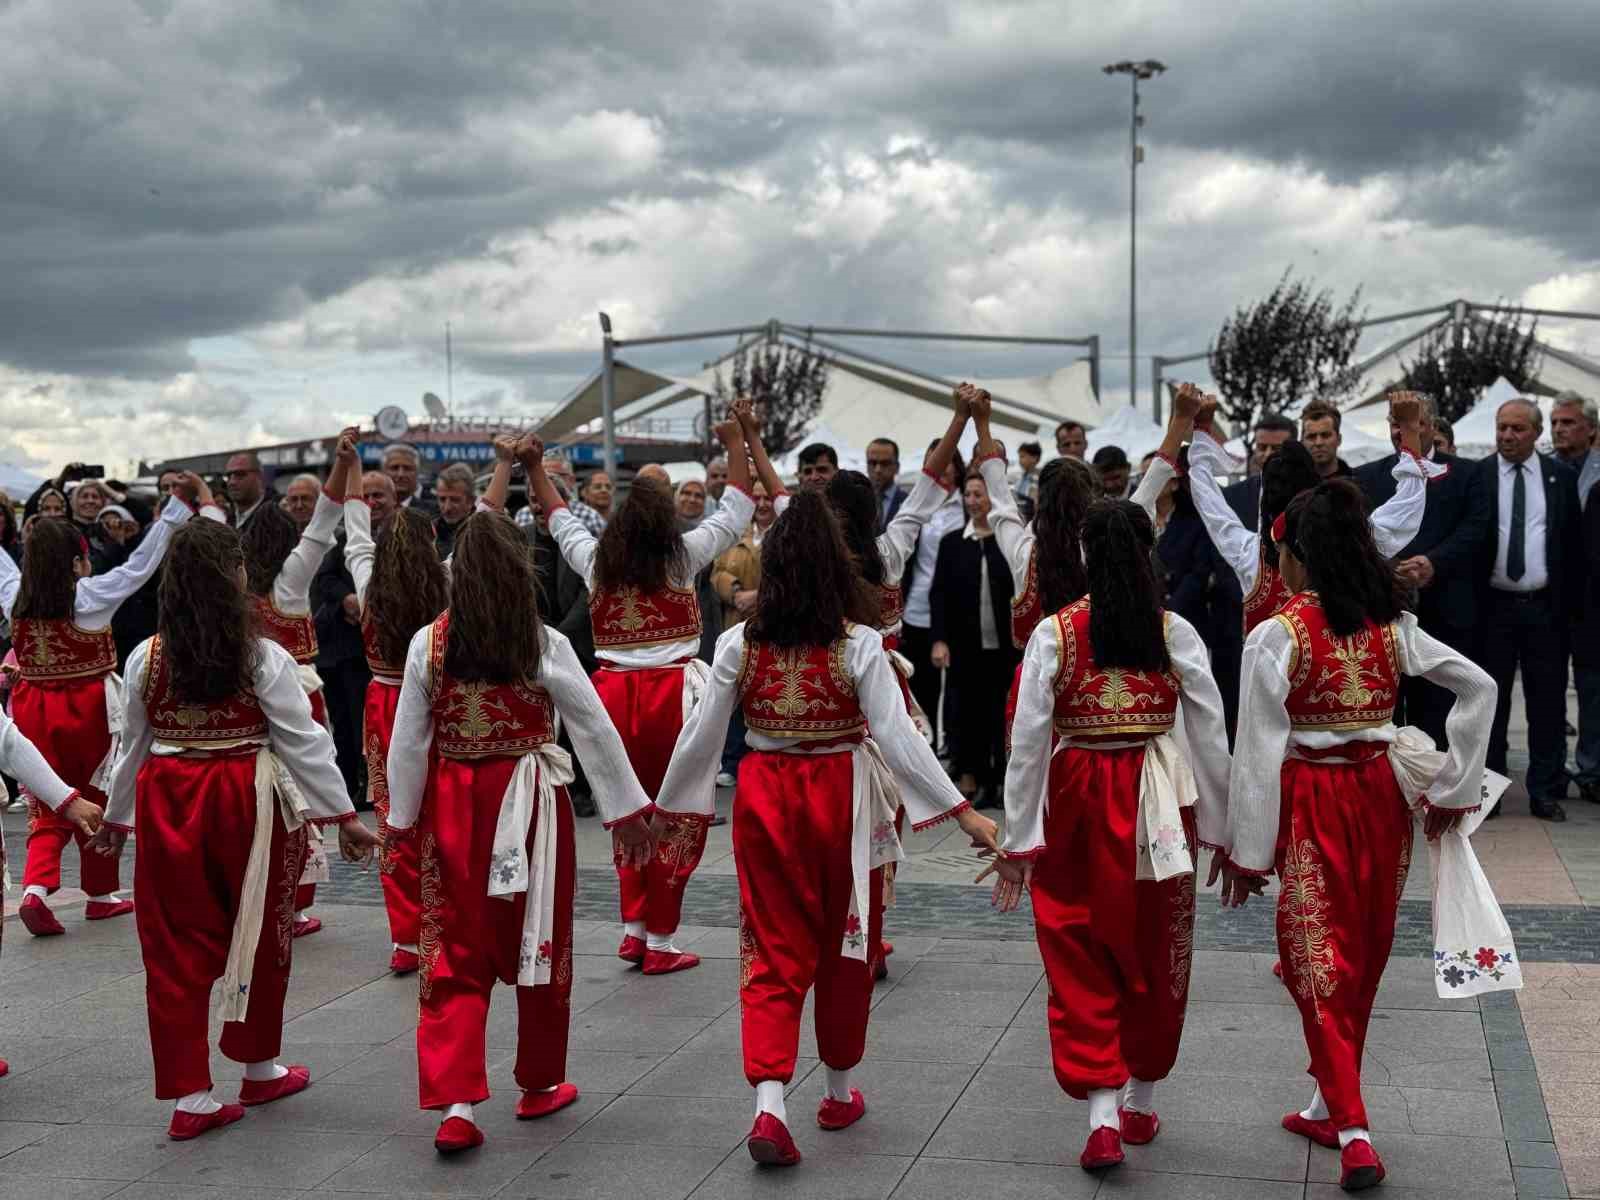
[[464, 1111], [199, 1103], [1353, 1134], [1317, 1110], [264, 1072], [34, 889], [769, 1099], [300, 918], [633, 929], [1103, 1109], [839, 1084], [662, 942], [108, 898], [1141, 1096], [408, 947]]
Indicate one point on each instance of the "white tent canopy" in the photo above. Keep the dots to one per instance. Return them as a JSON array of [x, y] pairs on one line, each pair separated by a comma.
[[1129, 428], [1475, 429]]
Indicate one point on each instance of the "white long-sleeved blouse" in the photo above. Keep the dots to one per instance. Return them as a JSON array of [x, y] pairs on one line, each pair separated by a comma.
[[1265, 737], [304, 746], [1394, 522], [1033, 736], [599, 746], [359, 547], [925, 789], [291, 590], [20, 759], [702, 546]]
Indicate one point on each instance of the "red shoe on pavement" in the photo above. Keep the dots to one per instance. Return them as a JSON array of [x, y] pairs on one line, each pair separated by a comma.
[[307, 927], [1103, 1149], [1321, 1132], [5, 1068], [1277, 968], [403, 962], [104, 910], [885, 947], [839, 1114], [457, 1134], [252, 1092], [187, 1126], [632, 949], [770, 1144], [665, 962], [1359, 1166], [37, 918], [1138, 1128], [534, 1105]]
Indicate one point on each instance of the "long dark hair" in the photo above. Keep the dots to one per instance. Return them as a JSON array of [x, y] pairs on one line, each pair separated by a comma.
[[408, 588], [810, 587], [49, 582], [1286, 474], [1126, 626], [1328, 531], [269, 538], [856, 505], [1066, 490], [496, 634], [642, 545], [205, 618]]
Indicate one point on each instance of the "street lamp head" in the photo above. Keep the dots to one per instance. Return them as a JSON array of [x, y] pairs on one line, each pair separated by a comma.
[[1147, 69]]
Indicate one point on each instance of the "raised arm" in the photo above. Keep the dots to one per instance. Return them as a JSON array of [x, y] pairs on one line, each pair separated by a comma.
[[744, 412], [896, 543], [1205, 728], [1239, 547], [605, 759], [1013, 535], [709, 540], [412, 739], [291, 590], [1180, 428], [576, 543], [98, 597], [359, 548], [494, 497]]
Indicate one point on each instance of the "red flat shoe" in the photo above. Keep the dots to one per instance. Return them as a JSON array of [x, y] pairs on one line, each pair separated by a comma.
[[665, 962], [1359, 1166], [252, 1092], [457, 1134], [403, 962], [104, 910], [770, 1144], [307, 927], [37, 918], [885, 948], [1277, 968], [1321, 1132], [839, 1114], [534, 1105], [187, 1126], [5, 1068], [632, 949], [1138, 1128], [1103, 1149]]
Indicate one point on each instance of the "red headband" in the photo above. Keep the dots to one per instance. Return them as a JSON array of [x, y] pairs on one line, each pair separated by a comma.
[[1280, 527]]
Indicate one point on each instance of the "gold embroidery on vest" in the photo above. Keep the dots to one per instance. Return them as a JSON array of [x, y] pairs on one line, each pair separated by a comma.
[[1348, 676], [476, 712]]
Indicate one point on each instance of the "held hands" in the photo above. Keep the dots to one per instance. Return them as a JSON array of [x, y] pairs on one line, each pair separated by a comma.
[[83, 813], [357, 843], [633, 842], [1205, 415], [1186, 402], [939, 656], [108, 841], [505, 448], [1417, 571], [730, 433], [1237, 887], [1440, 821], [529, 449], [744, 412], [1014, 875], [1406, 409], [963, 397], [345, 452], [981, 830], [194, 490]]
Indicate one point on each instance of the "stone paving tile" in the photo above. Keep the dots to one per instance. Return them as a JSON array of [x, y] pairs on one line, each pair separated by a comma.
[[411, 1162], [16, 1186], [672, 1121], [826, 1174], [947, 1179], [1144, 1185], [242, 1155], [580, 1172], [1471, 1166], [85, 1152]]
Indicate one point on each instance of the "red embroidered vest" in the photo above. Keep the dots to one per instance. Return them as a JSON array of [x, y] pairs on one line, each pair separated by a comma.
[[1114, 703], [52, 650], [1338, 683], [1268, 596], [297, 635], [198, 726], [387, 671], [802, 693], [627, 618], [1027, 606], [482, 720]]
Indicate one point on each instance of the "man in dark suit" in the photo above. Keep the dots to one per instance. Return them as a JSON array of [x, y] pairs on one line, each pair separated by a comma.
[[883, 468], [1532, 570], [1441, 562]]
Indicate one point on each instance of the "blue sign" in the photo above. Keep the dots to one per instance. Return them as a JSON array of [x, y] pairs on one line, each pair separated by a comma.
[[435, 453]]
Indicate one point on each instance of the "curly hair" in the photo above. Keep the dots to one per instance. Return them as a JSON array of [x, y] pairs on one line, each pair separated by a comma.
[[496, 635], [1326, 528], [49, 581], [854, 502], [206, 621], [1286, 474], [1067, 488], [1126, 627], [642, 545], [810, 588], [408, 587], [269, 538]]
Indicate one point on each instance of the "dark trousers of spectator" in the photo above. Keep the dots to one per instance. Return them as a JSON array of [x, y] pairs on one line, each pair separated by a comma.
[[1427, 705], [733, 746], [1226, 657], [344, 690], [1524, 631], [979, 681], [917, 645], [1587, 681]]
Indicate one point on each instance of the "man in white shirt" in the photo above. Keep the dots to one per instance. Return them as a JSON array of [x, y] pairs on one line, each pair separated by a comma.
[[245, 486]]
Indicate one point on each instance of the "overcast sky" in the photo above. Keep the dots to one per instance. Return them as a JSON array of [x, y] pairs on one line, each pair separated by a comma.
[[228, 221]]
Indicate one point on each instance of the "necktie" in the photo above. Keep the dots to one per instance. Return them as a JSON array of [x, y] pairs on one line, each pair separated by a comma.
[[1516, 563]]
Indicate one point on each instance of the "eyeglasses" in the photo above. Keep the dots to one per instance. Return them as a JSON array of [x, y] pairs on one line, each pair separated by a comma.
[[241, 473], [880, 462]]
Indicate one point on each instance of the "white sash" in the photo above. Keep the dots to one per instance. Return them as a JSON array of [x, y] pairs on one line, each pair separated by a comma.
[[514, 871], [1166, 786], [873, 841], [101, 779], [696, 678], [270, 776]]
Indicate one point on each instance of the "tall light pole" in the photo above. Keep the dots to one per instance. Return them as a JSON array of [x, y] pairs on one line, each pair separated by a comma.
[[1148, 69]]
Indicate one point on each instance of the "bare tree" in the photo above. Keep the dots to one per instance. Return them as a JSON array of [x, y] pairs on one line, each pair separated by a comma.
[[785, 382], [1455, 364], [1294, 345]]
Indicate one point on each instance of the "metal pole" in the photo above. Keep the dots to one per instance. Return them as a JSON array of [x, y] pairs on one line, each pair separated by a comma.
[[1094, 366], [1157, 367], [449, 374], [608, 398], [1133, 244]]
